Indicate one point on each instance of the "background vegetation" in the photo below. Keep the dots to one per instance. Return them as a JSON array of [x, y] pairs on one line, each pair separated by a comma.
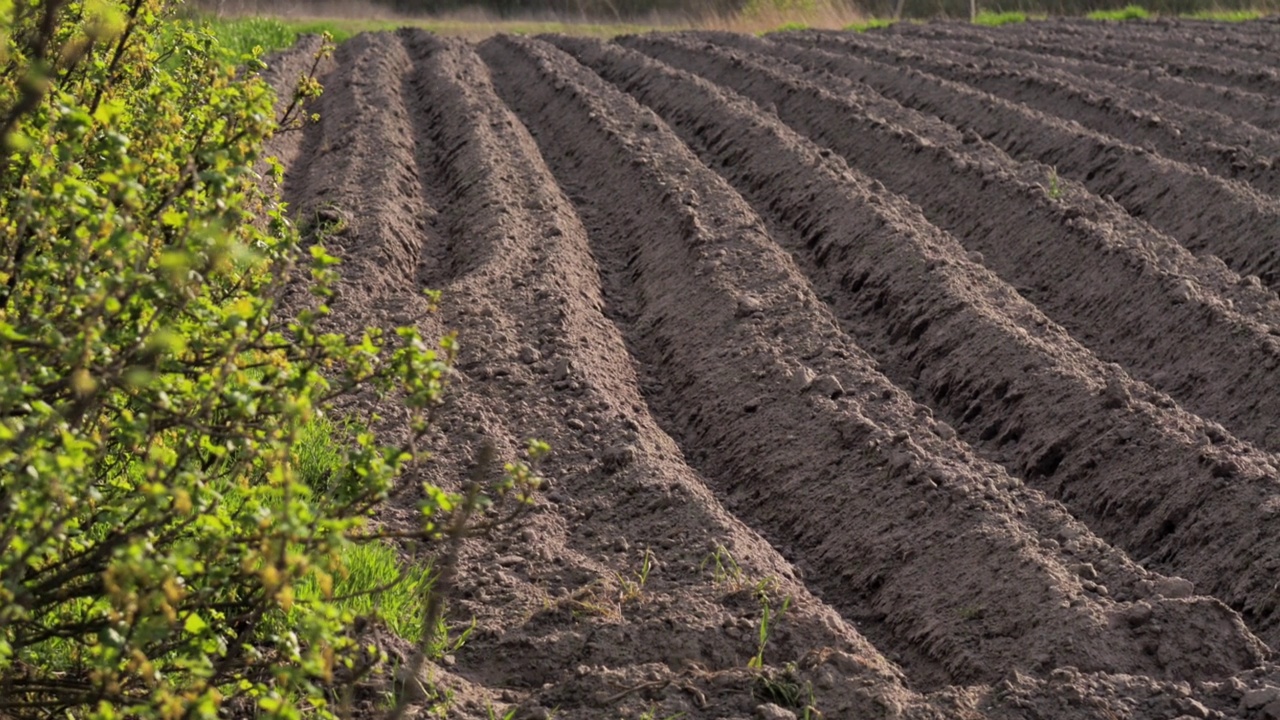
[[607, 18]]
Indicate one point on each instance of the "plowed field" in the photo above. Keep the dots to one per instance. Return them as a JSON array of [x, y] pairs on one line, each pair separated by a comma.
[[966, 341]]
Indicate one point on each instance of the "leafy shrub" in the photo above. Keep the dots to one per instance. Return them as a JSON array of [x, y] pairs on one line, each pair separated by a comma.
[[1128, 12], [166, 546]]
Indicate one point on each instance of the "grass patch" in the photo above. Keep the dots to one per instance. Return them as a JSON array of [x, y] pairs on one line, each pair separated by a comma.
[[793, 26], [241, 35], [1225, 15], [1128, 12], [996, 19], [366, 584], [370, 567], [367, 567], [318, 454], [871, 24]]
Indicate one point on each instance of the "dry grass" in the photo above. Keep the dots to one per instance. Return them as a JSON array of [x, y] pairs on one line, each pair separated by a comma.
[[759, 16]]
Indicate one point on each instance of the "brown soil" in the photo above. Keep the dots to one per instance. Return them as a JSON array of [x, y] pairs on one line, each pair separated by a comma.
[[1155, 75], [1229, 220], [1223, 145], [805, 328]]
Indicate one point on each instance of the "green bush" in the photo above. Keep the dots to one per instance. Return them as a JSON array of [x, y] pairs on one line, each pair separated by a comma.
[[1128, 12], [170, 545]]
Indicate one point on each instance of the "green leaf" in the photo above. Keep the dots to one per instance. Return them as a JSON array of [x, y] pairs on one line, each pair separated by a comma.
[[195, 624]]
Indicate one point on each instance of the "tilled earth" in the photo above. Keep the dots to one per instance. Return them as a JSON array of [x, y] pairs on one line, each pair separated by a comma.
[[961, 344]]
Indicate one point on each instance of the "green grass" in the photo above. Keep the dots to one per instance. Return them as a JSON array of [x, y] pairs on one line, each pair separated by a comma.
[[318, 453], [1128, 12], [996, 19], [790, 27], [1225, 15], [241, 35], [871, 24], [369, 567]]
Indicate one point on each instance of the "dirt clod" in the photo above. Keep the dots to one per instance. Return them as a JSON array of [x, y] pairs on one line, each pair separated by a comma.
[[769, 711], [1254, 699], [827, 386]]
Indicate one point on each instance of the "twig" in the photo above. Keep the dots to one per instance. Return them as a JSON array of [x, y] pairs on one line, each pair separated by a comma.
[[443, 585]]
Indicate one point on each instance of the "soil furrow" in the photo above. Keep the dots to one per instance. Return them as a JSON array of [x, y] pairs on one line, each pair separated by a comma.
[[284, 70], [1138, 53], [967, 344], [727, 323], [1205, 213], [539, 359], [1026, 55], [1252, 107], [359, 177], [1201, 38], [1224, 146], [1132, 295], [1253, 41], [731, 324]]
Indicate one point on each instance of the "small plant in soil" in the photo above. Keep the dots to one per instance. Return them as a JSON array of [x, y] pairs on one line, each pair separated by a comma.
[[1055, 184], [724, 568], [493, 714], [652, 714], [633, 588], [768, 616], [596, 599], [785, 689]]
